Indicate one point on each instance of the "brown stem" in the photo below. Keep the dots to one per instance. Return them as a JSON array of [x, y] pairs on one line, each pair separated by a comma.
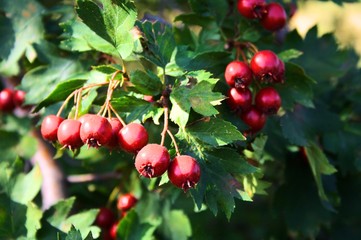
[[90, 177], [165, 127], [174, 142]]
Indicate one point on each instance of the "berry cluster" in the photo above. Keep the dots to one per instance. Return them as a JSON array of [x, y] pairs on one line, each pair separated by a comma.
[[265, 67], [11, 99], [272, 16]]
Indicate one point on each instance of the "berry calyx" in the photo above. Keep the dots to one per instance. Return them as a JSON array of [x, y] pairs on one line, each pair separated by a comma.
[[69, 134], [239, 99], [133, 137], [184, 172], [251, 8], [6, 100], [19, 98], [49, 127], [238, 74], [268, 100], [126, 202], [152, 160], [275, 18], [116, 126], [254, 119], [266, 66], [105, 218], [95, 131]]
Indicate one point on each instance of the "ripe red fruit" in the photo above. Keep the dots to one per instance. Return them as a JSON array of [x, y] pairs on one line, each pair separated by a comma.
[[84, 117], [105, 218], [133, 137], [69, 134], [113, 230], [268, 100], [251, 8], [116, 126], [19, 98], [49, 127], [238, 74], [266, 66], [152, 160], [95, 131], [148, 98], [239, 99], [254, 119], [184, 172], [275, 18], [126, 202], [6, 100]]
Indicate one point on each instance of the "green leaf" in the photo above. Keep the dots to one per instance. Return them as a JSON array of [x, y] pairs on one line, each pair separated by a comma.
[[215, 132], [26, 187], [57, 214], [158, 42], [294, 128], [112, 21], [130, 228], [289, 54], [202, 99], [75, 234], [181, 106], [33, 217], [319, 166], [83, 221], [7, 39], [107, 69], [194, 19], [26, 22], [146, 83]]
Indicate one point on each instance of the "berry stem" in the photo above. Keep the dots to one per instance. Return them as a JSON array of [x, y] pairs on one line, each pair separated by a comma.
[[165, 128], [116, 114], [174, 142], [78, 103]]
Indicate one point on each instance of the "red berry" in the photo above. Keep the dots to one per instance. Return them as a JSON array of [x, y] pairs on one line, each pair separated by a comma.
[[251, 8], [105, 218], [152, 160], [113, 230], [95, 131], [254, 119], [148, 98], [69, 134], [84, 117], [238, 74], [49, 127], [280, 78], [266, 66], [116, 126], [268, 100], [184, 172], [126, 202], [240, 99], [275, 18], [19, 98], [133, 137], [6, 100]]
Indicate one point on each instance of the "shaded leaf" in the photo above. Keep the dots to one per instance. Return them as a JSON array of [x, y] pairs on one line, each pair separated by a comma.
[[146, 83]]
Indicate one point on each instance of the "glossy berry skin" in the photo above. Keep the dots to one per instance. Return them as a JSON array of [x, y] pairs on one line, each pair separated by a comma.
[[19, 98], [126, 202], [184, 172], [254, 119], [268, 100], [105, 218], [49, 127], [275, 18], [238, 74], [95, 131], [239, 99], [113, 230], [69, 134], [266, 66], [6, 100], [133, 137], [116, 126], [82, 118], [251, 8], [152, 160]]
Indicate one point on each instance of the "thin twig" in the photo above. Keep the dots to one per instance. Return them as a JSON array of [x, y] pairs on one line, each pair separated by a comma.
[[91, 177], [165, 127], [174, 142]]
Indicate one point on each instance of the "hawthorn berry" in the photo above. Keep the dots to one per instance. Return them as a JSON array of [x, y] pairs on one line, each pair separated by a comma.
[[49, 127], [254, 119], [133, 137], [239, 99], [266, 66], [238, 74], [95, 131], [113, 230], [105, 218], [126, 202], [6, 100], [84, 117], [184, 172], [152, 160], [19, 98], [69, 134], [116, 126], [148, 98], [275, 18], [251, 8], [268, 100]]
